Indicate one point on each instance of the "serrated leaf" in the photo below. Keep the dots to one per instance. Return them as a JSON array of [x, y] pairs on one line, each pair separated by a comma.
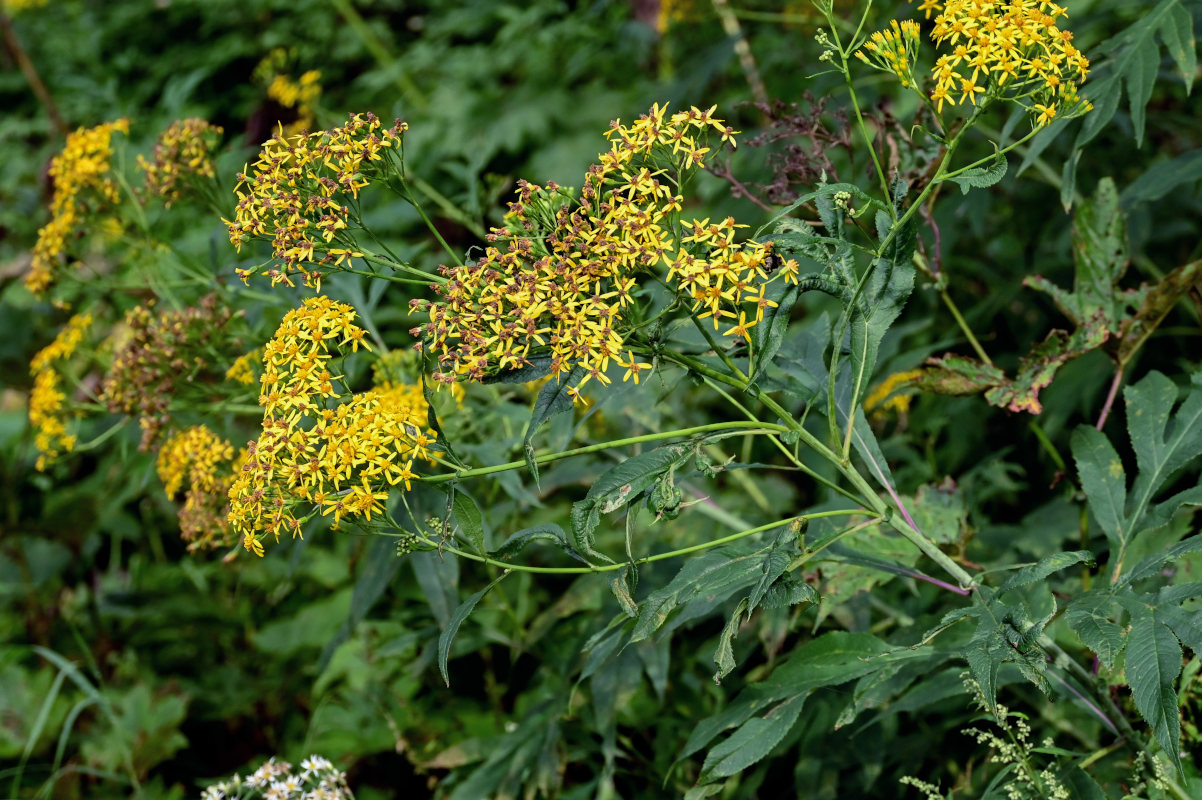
[[888, 288], [447, 637], [767, 336], [1104, 481], [467, 516], [754, 739], [782, 552], [1151, 566], [553, 398], [620, 486], [830, 660], [1178, 34], [1089, 615], [1164, 442], [982, 177], [707, 579], [1134, 59], [1153, 664], [789, 591], [1045, 567], [724, 656]]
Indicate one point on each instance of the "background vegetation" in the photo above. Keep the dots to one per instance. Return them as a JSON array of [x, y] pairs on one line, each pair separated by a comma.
[[131, 665]]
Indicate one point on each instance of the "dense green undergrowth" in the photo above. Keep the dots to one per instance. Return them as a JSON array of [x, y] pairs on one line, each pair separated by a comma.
[[857, 459]]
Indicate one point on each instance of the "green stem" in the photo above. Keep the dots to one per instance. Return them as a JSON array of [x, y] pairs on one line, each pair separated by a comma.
[[386, 60], [855, 104], [376, 258], [547, 458], [684, 551], [450, 209], [972, 339]]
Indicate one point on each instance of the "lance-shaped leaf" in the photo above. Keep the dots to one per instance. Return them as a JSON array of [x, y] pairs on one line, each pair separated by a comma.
[[764, 713], [1153, 664], [618, 487], [1044, 568], [1104, 481], [447, 637], [1100, 259], [553, 398]]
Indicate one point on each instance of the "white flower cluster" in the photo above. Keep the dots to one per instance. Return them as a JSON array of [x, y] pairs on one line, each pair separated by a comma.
[[275, 780]]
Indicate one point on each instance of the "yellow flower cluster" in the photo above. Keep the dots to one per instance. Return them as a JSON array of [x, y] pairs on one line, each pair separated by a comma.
[[560, 278], [893, 50], [295, 195], [17, 6], [199, 463], [334, 451], [47, 414], [887, 397], [80, 176], [1011, 47], [301, 95], [184, 149], [243, 369]]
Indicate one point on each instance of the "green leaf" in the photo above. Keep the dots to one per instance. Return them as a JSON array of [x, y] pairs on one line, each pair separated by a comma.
[[724, 656], [1150, 566], [1045, 567], [754, 739], [767, 336], [1178, 34], [1162, 178], [1162, 446], [701, 583], [761, 713], [620, 486], [1089, 615], [1153, 664], [467, 516], [447, 637], [784, 549], [553, 398], [878, 307], [549, 532], [1104, 481], [982, 177]]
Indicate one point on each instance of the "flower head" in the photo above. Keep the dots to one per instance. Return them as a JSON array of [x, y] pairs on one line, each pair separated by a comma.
[[82, 188], [297, 196]]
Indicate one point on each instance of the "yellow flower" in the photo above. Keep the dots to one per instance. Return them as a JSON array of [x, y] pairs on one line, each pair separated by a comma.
[[297, 195], [1012, 49], [199, 463], [183, 151], [48, 413], [82, 188], [334, 452]]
